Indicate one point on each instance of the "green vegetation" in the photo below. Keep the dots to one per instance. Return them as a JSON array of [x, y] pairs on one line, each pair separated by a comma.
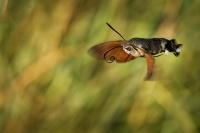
[[49, 84]]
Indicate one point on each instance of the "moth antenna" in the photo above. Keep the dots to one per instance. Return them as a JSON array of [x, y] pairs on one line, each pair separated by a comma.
[[115, 31]]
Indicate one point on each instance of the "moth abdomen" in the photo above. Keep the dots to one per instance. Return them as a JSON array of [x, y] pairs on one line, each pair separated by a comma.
[[151, 45]]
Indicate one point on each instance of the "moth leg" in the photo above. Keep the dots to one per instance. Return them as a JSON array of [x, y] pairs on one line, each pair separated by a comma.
[[157, 55]]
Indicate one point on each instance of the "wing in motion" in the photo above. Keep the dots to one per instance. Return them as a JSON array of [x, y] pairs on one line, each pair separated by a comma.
[[111, 51], [150, 63]]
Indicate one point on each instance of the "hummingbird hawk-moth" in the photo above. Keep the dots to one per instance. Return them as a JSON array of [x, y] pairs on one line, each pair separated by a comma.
[[124, 51]]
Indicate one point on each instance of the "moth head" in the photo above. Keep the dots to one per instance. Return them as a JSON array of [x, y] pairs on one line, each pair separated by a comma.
[[174, 47], [130, 49]]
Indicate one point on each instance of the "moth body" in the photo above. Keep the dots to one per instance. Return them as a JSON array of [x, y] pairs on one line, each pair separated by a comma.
[[153, 46], [124, 51]]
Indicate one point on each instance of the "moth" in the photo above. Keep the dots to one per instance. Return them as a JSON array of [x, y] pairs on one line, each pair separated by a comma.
[[123, 51]]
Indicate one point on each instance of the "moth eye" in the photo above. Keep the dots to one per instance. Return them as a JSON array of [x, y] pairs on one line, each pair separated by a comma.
[[128, 48]]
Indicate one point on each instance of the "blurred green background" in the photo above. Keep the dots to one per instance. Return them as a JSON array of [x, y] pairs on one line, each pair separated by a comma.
[[49, 84]]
